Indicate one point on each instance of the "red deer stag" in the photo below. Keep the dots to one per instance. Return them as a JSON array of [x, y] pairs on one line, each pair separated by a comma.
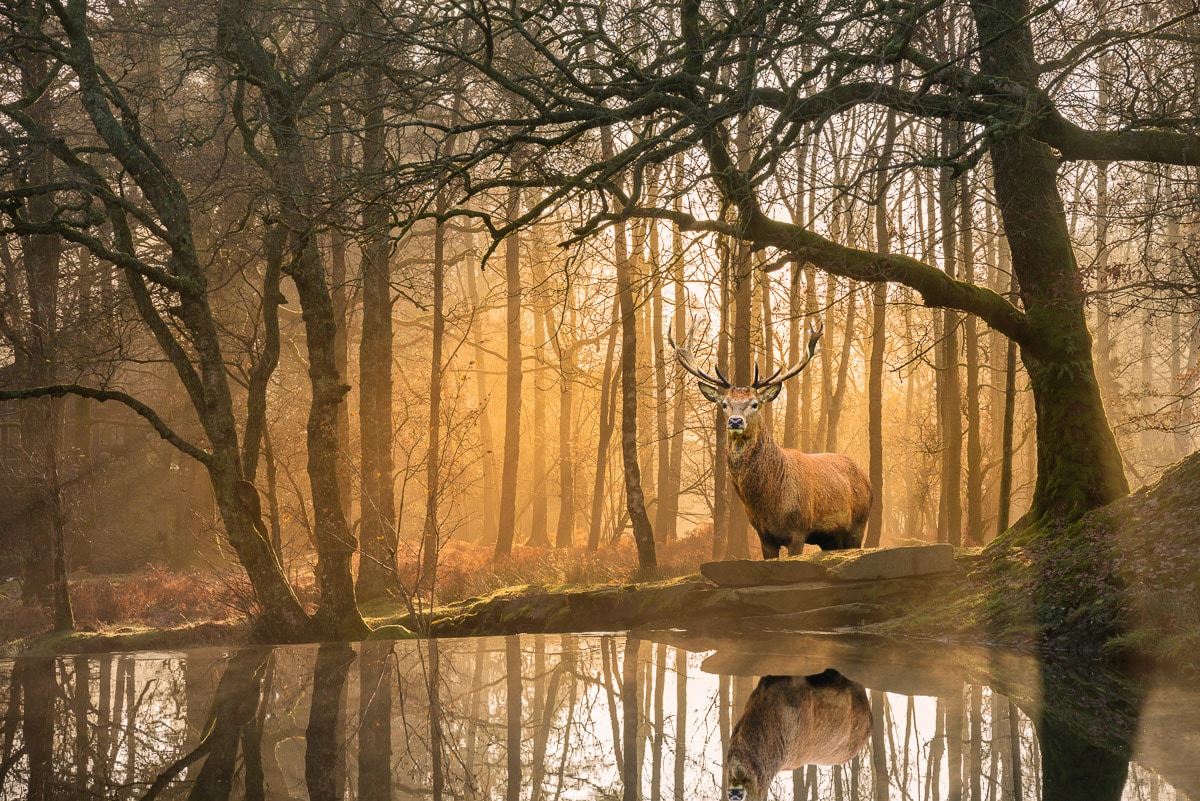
[[791, 721], [790, 497]]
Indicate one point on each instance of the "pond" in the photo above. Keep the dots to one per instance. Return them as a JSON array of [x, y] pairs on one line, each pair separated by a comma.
[[543, 718]]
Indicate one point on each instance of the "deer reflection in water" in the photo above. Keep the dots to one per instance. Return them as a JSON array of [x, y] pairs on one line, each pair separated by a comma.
[[792, 721]]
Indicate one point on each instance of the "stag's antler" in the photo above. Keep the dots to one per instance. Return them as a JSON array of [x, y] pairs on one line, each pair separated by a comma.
[[687, 360], [781, 375]]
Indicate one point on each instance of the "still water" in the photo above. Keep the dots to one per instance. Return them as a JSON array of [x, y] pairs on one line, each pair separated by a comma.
[[549, 718]]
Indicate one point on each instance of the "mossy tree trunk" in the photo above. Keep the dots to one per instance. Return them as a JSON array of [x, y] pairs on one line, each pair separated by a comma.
[[1079, 465]]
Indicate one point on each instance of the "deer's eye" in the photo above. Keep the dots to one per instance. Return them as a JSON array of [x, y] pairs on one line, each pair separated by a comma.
[[724, 405], [754, 405]]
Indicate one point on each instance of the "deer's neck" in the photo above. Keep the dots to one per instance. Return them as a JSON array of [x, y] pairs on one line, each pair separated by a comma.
[[755, 449]]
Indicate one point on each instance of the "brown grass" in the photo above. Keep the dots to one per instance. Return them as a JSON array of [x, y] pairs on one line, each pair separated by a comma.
[[155, 597]]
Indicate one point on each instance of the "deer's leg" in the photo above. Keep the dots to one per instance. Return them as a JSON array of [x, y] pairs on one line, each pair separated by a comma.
[[770, 544]]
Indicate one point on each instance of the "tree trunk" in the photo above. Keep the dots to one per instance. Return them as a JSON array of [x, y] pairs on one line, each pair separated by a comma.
[[643, 533], [1078, 465], [737, 545], [791, 412], [974, 530], [808, 439], [564, 537], [665, 503], [883, 242], [483, 396], [539, 535], [377, 575], [721, 483], [949, 393], [45, 574], [679, 420], [433, 456], [338, 613], [839, 393], [512, 400], [607, 421]]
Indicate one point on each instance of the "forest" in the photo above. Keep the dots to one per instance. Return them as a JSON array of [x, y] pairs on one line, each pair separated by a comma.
[[317, 305]]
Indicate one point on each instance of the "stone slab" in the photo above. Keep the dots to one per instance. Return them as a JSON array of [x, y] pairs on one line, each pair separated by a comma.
[[747, 573], [851, 565], [893, 563]]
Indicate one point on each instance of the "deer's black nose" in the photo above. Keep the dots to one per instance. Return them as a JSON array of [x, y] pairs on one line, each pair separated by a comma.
[[737, 422]]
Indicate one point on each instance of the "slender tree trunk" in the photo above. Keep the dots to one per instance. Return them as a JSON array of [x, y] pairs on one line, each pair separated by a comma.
[[669, 506], [665, 503], [808, 438], [791, 412], [643, 533], [539, 535], [377, 575], [883, 243], [838, 397], [512, 399], [607, 420], [974, 530], [339, 280], [721, 490], [483, 394], [737, 545], [949, 395], [431, 543], [564, 537]]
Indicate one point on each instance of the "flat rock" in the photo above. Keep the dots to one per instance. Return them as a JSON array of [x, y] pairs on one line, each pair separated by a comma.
[[747, 573], [850, 565], [892, 563]]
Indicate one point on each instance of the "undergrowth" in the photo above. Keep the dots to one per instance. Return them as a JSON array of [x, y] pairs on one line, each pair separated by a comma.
[[154, 597]]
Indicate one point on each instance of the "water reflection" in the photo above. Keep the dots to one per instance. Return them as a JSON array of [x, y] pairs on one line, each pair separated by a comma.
[[562, 718], [793, 721]]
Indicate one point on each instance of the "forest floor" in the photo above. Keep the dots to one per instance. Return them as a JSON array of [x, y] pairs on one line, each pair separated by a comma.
[[1124, 581]]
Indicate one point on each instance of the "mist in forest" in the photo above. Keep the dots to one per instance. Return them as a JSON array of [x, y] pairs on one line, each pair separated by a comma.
[[348, 301]]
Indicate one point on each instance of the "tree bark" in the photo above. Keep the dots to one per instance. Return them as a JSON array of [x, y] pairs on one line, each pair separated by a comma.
[[607, 421], [643, 533], [431, 543], [670, 506], [377, 575], [512, 399], [1078, 464]]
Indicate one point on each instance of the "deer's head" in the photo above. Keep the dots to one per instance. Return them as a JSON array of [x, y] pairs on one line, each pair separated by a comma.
[[742, 405]]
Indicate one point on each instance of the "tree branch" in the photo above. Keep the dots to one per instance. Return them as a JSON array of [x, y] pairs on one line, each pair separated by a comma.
[[103, 395]]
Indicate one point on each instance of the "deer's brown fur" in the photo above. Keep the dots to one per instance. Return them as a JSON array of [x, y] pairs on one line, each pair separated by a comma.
[[791, 721], [792, 497]]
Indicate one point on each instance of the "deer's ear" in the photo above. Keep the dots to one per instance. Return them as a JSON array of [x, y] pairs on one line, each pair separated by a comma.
[[769, 393], [712, 393]]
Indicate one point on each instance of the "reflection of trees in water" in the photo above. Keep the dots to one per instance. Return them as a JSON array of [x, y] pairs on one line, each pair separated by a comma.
[[538, 718]]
